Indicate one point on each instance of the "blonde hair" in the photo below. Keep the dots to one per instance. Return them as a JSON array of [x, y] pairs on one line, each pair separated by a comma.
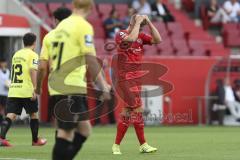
[[82, 4]]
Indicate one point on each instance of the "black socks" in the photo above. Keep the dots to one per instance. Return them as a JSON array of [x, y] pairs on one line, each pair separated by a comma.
[[34, 124], [78, 143], [63, 150], [66, 150], [6, 124]]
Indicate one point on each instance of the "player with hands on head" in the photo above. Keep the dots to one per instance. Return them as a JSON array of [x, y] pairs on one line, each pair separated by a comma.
[[130, 44]]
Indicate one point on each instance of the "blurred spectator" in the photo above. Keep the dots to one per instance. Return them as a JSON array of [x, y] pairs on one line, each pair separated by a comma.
[[217, 14], [4, 85], [231, 103], [127, 19], [112, 24], [237, 90], [220, 92], [142, 7], [161, 12], [219, 105], [232, 8]]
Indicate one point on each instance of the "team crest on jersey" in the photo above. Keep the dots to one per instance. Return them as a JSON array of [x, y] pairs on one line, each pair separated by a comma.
[[122, 34], [35, 62], [88, 40], [139, 41]]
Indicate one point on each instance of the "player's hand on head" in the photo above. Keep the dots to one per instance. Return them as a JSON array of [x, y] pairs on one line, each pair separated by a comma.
[[139, 18], [147, 18]]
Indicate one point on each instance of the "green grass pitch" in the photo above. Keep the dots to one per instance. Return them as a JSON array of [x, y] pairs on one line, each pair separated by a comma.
[[174, 143]]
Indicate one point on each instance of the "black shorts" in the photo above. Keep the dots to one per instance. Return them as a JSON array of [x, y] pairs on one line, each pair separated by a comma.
[[15, 105], [69, 110], [3, 100]]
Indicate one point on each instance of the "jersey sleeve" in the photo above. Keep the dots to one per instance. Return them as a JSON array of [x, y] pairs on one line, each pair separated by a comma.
[[44, 51], [120, 36], [146, 38], [86, 41], [34, 61]]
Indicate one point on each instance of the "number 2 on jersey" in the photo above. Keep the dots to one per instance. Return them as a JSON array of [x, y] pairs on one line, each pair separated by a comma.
[[15, 74]]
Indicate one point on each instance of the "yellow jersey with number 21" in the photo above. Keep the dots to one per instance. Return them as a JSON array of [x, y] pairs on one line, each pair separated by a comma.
[[65, 48]]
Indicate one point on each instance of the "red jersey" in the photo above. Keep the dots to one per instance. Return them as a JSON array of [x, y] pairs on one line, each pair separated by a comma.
[[132, 50], [128, 64]]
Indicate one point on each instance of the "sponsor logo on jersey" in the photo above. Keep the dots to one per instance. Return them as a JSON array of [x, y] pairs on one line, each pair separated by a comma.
[[89, 40]]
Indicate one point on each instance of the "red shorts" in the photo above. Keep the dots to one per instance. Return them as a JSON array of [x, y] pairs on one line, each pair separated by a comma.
[[130, 93]]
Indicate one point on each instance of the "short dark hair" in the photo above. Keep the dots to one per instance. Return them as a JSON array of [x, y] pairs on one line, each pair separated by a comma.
[[62, 13], [29, 39]]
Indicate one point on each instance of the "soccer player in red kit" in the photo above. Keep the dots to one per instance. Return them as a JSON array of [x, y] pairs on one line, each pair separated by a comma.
[[130, 44]]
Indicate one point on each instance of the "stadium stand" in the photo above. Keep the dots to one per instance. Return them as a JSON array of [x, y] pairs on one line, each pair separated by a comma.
[[231, 35], [191, 40], [184, 44]]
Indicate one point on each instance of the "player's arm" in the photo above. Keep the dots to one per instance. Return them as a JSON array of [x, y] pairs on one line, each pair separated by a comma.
[[42, 67], [96, 70], [133, 36], [154, 32], [33, 73], [94, 67], [41, 74]]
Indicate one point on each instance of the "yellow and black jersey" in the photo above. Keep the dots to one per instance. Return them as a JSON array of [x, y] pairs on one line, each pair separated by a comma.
[[21, 83], [64, 48]]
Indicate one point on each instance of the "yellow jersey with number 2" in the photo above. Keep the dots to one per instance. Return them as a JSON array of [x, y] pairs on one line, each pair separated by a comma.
[[21, 83]]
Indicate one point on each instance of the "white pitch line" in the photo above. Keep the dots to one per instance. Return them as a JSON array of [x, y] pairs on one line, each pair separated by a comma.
[[16, 159]]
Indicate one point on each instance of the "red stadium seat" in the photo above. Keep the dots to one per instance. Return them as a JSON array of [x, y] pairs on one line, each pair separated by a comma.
[[99, 32], [174, 26], [122, 9], [105, 9], [96, 22], [181, 47], [197, 48], [53, 6], [69, 5], [232, 38], [42, 7], [161, 27], [230, 26], [231, 35], [98, 27], [165, 48], [176, 30], [150, 50], [99, 44]]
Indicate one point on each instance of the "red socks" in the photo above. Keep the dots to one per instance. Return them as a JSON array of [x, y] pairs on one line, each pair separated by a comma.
[[121, 129], [138, 123]]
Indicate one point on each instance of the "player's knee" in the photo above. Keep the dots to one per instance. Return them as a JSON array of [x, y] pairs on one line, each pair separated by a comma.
[[66, 134], [85, 128], [138, 110], [11, 116], [125, 112]]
